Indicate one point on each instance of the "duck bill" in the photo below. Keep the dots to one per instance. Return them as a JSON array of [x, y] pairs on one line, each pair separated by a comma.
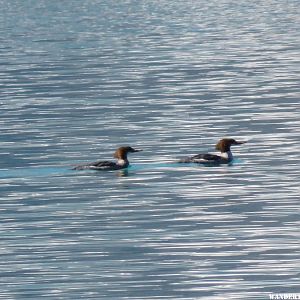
[[240, 142], [137, 150]]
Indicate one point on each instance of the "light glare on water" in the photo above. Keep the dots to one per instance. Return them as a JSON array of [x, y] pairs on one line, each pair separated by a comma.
[[79, 80]]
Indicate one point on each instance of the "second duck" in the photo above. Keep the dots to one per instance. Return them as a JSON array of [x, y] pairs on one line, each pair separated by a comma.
[[224, 157]]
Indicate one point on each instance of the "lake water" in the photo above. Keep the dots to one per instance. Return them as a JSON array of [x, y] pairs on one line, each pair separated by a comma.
[[80, 78]]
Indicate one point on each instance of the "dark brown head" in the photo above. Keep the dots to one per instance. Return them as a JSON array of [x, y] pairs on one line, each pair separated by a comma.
[[225, 144], [121, 153]]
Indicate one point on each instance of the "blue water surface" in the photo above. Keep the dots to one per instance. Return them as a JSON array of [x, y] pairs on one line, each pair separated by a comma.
[[79, 79]]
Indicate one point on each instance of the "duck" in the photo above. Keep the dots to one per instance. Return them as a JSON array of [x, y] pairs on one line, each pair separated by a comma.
[[225, 156], [121, 163]]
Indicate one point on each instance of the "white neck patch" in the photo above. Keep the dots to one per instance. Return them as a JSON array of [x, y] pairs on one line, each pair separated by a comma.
[[227, 155], [122, 162]]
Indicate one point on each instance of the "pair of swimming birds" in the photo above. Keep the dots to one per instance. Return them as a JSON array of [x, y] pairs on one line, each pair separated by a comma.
[[122, 162]]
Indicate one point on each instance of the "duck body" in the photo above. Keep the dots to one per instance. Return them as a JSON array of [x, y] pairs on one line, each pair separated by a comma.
[[206, 158], [102, 165], [121, 163], [224, 157]]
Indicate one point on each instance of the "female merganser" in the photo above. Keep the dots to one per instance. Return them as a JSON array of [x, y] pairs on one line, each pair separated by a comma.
[[224, 158], [121, 163]]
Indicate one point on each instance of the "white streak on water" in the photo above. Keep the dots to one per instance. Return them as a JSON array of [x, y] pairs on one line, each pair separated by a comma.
[[171, 78]]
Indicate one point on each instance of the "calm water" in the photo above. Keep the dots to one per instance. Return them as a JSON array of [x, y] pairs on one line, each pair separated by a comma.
[[80, 78]]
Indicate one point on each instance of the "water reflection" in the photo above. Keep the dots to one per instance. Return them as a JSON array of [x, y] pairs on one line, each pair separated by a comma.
[[171, 78], [123, 173]]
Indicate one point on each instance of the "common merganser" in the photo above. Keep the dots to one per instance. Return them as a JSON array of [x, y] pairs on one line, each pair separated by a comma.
[[225, 156], [121, 163]]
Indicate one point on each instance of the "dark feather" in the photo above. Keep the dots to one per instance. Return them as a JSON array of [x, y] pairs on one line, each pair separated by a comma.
[[98, 165], [202, 158], [207, 157]]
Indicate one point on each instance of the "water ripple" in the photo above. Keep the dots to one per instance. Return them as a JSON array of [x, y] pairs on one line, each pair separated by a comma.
[[77, 81]]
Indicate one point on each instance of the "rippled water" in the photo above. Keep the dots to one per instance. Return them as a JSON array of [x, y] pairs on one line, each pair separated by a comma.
[[80, 78]]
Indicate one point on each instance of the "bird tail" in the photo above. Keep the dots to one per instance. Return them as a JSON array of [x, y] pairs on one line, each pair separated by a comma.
[[185, 160]]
